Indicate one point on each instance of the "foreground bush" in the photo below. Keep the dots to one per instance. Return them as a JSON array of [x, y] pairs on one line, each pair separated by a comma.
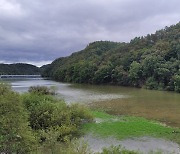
[[4, 88], [52, 117], [42, 90], [33, 120], [15, 134]]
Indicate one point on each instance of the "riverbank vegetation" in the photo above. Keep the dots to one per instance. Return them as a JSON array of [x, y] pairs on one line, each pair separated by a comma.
[[32, 121], [152, 61]]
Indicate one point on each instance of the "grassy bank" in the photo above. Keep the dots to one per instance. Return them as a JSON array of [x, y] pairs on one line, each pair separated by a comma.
[[122, 127]]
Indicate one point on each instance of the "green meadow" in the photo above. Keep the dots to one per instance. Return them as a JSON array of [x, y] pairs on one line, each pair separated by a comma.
[[122, 127]]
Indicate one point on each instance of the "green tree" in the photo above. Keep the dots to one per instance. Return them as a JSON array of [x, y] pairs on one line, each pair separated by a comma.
[[150, 63], [120, 76], [151, 83], [103, 74], [135, 73], [177, 83]]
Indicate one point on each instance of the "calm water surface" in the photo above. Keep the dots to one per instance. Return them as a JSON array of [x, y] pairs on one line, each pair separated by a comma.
[[158, 105]]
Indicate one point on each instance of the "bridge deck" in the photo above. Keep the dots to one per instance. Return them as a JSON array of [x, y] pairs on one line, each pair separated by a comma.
[[20, 76]]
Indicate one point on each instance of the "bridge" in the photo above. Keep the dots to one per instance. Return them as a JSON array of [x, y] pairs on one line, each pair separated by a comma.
[[20, 76]]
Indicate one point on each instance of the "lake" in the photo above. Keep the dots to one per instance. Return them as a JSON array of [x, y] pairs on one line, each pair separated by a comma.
[[158, 105]]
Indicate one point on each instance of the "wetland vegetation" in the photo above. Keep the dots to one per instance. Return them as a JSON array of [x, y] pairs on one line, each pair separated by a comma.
[[123, 127]]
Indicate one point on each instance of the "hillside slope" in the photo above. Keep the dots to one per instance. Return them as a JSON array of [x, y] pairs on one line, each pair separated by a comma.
[[19, 69], [152, 61]]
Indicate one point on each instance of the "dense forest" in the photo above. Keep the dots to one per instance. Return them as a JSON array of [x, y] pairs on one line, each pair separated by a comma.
[[19, 69], [152, 61]]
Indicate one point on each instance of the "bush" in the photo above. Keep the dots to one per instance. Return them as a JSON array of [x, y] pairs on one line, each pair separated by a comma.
[[42, 90], [4, 88], [50, 115], [30, 118], [41, 110], [15, 134]]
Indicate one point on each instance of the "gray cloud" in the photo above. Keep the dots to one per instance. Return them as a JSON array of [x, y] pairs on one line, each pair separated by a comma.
[[39, 31]]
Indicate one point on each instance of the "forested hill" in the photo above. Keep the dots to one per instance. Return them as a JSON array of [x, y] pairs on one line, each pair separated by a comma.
[[152, 61], [19, 69]]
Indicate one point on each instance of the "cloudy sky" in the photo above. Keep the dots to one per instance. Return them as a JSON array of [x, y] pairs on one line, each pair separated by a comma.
[[39, 31]]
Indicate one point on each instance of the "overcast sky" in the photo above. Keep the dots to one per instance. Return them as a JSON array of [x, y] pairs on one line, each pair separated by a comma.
[[39, 31]]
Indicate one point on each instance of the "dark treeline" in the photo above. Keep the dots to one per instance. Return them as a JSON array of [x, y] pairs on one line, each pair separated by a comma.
[[152, 61], [19, 68]]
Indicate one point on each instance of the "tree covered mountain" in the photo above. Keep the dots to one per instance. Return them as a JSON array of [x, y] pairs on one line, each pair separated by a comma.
[[19, 69], [152, 61]]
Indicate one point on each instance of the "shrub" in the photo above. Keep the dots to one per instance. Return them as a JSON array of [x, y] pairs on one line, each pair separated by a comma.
[[4, 88], [43, 90], [15, 134], [30, 118], [48, 114]]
